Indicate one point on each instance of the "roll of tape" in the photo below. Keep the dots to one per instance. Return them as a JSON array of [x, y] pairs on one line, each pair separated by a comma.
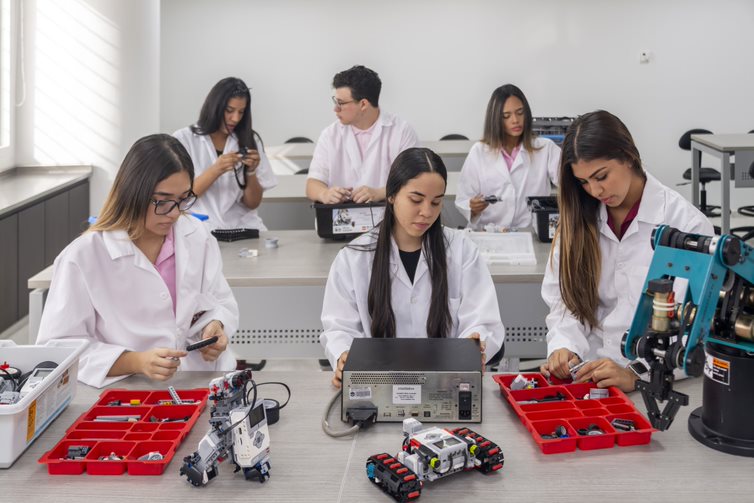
[[272, 410], [271, 242]]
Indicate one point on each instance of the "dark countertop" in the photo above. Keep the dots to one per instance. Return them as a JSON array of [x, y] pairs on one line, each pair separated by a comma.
[[24, 185]]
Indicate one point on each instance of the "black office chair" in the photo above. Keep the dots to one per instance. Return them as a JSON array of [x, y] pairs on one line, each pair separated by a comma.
[[705, 174], [453, 136], [298, 139]]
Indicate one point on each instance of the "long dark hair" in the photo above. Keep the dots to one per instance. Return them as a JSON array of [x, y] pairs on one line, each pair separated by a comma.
[[212, 115], [149, 161], [408, 165], [494, 130], [596, 135]]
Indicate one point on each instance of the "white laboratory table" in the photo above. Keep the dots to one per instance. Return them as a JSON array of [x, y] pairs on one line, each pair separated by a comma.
[[280, 295], [308, 466], [723, 146]]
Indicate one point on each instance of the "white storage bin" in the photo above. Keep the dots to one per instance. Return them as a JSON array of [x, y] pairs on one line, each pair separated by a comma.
[[510, 248], [22, 422]]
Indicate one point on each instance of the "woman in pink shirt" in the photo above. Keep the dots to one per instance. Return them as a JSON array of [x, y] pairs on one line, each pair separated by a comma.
[[508, 165], [146, 280]]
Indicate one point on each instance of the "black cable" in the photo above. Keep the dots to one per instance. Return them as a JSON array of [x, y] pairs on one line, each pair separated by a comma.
[[283, 385]]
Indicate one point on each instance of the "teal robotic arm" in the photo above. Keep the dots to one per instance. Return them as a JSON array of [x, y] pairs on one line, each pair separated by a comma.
[[710, 332]]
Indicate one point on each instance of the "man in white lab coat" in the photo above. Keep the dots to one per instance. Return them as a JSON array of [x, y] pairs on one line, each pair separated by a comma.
[[353, 154]]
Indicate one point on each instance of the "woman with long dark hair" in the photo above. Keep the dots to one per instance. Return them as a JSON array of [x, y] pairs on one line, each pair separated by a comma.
[[509, 164], [232, 170], [609, 205], [146, 279], [410, 276]]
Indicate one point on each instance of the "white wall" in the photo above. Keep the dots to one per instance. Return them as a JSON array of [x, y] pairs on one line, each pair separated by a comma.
[[92, 84], [440, 60]]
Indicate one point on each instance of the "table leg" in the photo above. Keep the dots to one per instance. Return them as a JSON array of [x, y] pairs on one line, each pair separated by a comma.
[[696, 162], [725, 203]]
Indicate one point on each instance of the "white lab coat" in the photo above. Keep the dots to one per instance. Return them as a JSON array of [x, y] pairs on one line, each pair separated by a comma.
[[625, 264], [337, 160], [471, 296], [486, 172], [105, 289], [222, 201]]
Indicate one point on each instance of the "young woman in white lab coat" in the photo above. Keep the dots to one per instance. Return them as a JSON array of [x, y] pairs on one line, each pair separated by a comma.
[[228, 183], [601, 254], [410, 276], [146, 279], [510, 163]]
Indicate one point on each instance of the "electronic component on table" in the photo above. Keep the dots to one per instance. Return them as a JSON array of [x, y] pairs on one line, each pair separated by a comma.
[[35, 379], [388, 380], [239, 432], [430, 454]]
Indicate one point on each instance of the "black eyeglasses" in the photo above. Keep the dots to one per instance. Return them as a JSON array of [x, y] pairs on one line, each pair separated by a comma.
[[340, 104], [165, 206]]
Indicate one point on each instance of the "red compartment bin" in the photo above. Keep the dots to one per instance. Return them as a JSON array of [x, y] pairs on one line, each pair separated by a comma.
[[575, 412], [588, 442], [159, 428]]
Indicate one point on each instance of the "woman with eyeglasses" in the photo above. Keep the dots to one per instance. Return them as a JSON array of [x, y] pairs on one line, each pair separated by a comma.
[[508, 165], [232, 170], [146, 279], [410, 276]]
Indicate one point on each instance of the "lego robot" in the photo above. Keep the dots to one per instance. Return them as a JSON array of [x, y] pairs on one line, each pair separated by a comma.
[[431, 454], [238, 432]]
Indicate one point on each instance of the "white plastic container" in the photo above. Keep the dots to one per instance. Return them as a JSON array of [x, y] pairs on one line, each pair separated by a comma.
[[22, 422], [510, 248]]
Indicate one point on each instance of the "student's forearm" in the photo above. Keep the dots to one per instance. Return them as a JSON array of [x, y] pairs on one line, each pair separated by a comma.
[[315, 190], [128, 362], [204, 181], [252, 195]]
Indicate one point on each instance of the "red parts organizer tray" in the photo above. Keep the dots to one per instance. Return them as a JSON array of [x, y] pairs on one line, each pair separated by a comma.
[[161, 428], [574, 413]]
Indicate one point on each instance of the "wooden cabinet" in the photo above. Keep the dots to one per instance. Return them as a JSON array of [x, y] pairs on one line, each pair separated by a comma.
[[32, 237]]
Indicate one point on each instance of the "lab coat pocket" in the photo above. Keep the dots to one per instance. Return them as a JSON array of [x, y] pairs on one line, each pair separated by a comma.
[[637, 275]]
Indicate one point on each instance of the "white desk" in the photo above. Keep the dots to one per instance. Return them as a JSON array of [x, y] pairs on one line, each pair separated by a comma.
[[308, 466], [723, 146], [280, 296]]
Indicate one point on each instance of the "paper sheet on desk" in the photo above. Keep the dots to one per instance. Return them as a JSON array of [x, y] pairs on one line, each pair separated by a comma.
[[512, 248]]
